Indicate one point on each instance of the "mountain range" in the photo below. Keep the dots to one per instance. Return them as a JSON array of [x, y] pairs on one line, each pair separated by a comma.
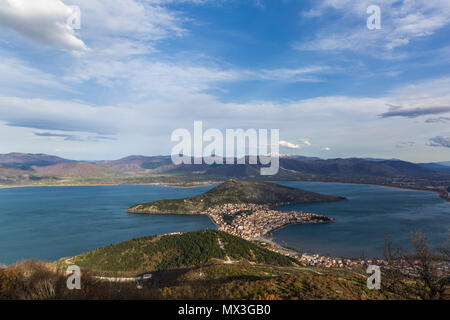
[[24, 169]]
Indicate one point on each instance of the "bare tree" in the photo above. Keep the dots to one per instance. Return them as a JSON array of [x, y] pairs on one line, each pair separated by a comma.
[[420, 274]]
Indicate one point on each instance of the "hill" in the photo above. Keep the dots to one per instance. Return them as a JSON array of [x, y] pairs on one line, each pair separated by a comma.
[[73, 169], [28, 159], [185, 266], [234, 191], [174, 251], [138, 163]]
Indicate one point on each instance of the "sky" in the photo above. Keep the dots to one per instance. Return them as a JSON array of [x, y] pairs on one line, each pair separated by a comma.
[[121, 78]]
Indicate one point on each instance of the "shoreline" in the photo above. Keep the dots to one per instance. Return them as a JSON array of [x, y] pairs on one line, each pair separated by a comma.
[[209, 183], [107, 185]]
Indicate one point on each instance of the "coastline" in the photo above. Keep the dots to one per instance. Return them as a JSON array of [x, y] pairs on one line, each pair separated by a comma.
[[209, 183]]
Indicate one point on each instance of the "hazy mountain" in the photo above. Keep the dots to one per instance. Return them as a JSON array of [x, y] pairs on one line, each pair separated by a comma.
[[28, 159], [299, 158], [137, 163], [331, 168], [17, 167], [381, 159], [73, 169], [436, 166]]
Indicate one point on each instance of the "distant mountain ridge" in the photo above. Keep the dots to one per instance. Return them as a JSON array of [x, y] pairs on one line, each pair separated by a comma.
[[30, 159], [21, 168]]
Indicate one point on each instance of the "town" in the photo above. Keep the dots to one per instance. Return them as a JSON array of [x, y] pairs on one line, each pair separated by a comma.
[[251, 221]]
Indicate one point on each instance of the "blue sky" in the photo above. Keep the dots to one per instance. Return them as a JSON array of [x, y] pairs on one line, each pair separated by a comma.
[[136, 70]]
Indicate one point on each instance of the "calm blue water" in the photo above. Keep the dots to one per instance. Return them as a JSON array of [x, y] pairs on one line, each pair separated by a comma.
[[363, 222], [53, 222]]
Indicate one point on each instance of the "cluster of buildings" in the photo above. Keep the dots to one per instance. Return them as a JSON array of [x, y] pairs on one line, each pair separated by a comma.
[[306, 259], [251, 221], [332, 262]]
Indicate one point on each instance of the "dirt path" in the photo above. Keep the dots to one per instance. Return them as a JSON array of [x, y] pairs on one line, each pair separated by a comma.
[[228, 261]]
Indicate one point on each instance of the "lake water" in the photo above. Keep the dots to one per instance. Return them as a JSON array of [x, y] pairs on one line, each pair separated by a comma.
[[363, 222], [53, 222]]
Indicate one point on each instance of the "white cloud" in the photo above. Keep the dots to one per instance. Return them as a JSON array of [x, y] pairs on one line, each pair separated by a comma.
[[401, 22], [43, 21], [290, 145], [326, 149], [303, 74], [138, 20]]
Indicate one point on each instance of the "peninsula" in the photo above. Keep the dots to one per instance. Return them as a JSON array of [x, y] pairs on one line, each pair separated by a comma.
[[244, 208]]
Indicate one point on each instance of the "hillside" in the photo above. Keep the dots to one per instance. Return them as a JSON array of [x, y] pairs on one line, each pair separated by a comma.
[[73, 169], [167, 252], [234, 191], [330, 168], [28, 159], [138, 163], [185, 266]]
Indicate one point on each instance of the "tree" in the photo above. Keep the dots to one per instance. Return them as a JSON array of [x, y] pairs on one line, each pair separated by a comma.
[[422, 273]]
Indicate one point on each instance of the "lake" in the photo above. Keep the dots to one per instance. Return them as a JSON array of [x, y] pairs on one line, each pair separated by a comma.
[[363, 222], [53, 222]]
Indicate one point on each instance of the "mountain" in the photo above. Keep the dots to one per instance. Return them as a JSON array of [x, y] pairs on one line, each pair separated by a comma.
[[233, 191], [360, 167], [298, 157], [21, 169], [328, 169], [73, 169], [28, 159], [381, 159], [138, 163], [437, 166]]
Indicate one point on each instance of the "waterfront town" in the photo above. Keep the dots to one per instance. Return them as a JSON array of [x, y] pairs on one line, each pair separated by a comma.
[[251, 221]]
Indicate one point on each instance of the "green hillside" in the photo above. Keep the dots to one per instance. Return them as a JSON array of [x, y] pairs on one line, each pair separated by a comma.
[[234, 191], [176, 251]]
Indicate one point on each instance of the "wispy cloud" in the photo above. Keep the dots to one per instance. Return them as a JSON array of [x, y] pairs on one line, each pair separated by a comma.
[[402, 23], [438, 120], [71, 137], [405, 144], [414, 112], [439, 141]]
